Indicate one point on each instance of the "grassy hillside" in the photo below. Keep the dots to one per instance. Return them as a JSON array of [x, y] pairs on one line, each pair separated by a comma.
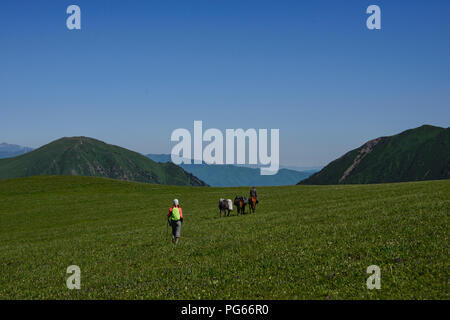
[[417, 154], [89, 157], [303, 242], [231, 175]]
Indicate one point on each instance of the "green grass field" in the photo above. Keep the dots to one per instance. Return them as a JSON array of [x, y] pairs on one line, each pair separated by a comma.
[[304, 242]]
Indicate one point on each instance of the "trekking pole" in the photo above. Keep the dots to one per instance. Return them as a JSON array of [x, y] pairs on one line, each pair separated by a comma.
[[167, 228]]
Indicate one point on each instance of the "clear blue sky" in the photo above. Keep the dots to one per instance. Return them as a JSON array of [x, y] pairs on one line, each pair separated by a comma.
[[139, 69]]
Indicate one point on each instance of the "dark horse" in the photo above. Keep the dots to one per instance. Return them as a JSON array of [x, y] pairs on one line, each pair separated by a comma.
[[240, 203], [252, 204]]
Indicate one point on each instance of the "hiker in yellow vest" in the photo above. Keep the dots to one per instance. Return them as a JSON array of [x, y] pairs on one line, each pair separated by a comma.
[[175, 217]]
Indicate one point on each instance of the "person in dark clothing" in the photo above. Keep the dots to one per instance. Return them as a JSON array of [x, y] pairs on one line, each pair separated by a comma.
[[253, 194]]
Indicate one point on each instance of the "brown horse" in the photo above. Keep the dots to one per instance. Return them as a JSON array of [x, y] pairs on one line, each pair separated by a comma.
[[240, 203], [252, 204]]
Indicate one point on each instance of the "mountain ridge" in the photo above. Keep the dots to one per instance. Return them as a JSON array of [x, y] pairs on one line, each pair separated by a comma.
[[12, 150], [227, 175], [87, 156], [421, 153]]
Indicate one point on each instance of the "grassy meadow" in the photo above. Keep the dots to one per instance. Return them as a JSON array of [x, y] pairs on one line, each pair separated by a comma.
[[304, 242]]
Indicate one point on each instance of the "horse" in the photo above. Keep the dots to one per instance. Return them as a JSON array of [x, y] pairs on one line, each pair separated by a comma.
[[252, 204], [225, 207], [240, 203]]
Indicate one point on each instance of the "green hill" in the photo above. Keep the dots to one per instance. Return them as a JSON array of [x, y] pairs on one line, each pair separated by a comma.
[[232, 175], [418, 154], [304, 242], [89, 157]]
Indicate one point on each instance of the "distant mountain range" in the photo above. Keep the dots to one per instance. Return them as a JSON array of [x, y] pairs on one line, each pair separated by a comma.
[[89, 157], [295, 168], [417, 154], [12, 150], [232, 175]]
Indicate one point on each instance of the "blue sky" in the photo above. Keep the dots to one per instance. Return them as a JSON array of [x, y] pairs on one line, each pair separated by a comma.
[[140, 69]]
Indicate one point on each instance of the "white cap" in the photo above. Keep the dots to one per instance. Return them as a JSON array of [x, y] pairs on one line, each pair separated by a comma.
[[175, 202]]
